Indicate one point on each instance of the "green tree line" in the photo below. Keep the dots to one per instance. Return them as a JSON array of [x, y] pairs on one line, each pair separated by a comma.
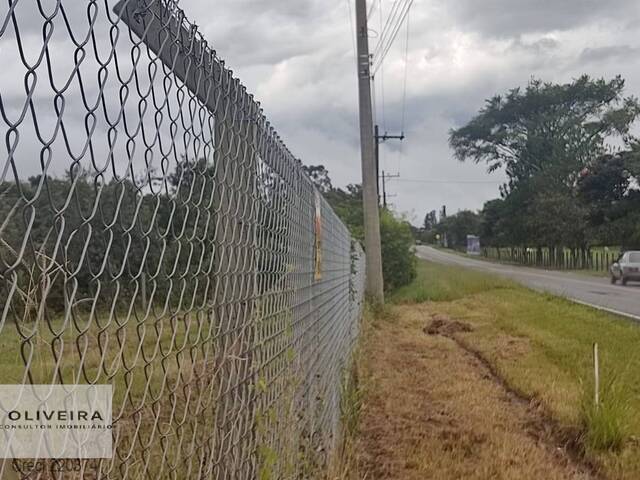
[[135, 242], [572, 164]]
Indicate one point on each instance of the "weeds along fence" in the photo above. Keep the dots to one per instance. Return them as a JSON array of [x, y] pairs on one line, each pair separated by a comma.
[[595, 258], [157, 235]]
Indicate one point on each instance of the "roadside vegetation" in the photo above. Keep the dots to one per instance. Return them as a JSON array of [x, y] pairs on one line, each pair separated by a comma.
[[397, 240], [481, 378], [434, 283]]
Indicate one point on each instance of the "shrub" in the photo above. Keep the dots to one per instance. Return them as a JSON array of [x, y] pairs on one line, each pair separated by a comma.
[[398, 259]]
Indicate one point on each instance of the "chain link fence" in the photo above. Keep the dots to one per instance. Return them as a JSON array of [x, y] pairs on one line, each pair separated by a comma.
[[157, 235]]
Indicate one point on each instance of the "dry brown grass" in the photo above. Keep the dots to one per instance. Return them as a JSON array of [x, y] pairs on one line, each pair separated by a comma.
[[433, 410]]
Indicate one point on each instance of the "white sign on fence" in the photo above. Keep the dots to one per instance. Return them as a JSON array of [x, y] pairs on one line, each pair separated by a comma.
[[55, 421]]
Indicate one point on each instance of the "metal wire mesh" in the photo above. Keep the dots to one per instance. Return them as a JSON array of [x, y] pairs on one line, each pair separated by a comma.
[[157, 235]]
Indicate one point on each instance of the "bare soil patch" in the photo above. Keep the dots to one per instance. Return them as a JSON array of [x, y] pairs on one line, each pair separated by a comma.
[[434, 410], [441, 325]]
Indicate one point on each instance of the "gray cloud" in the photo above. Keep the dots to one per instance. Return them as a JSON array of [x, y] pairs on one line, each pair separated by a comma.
[[603, 54], [261, 32], [544, 45], [506, 18]]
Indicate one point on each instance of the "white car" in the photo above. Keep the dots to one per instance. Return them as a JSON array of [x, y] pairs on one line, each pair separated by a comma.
[[626, 268]]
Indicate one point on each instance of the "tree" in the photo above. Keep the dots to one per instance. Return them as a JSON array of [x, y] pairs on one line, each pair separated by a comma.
[[547, 128], [457, 227], [492, 225], [430, 220], [398, 260], [348, 206], [319, 176], [607, 188], [554, 142]]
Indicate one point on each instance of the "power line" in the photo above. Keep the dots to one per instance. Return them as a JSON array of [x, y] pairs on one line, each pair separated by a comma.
[[380, 55], [384, 118], [385, 195], [485, 182], [389, 26], [373, 7], [406, 64], [391, 19], [382, 100], [388, 32], [379, 59]]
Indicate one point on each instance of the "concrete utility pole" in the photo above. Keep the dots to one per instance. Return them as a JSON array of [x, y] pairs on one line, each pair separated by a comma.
[[384, 190], [375, 282], [381, 139], [384, 187]]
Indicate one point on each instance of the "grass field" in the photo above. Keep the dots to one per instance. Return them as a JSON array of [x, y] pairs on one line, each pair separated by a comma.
[[540, 346], [133, 357], [153, 366]]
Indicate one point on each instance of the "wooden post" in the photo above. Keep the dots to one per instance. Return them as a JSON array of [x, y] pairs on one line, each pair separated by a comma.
[[596, 375]]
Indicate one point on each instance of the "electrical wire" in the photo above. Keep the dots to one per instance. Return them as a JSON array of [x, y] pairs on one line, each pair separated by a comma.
[[392, 20], [373, 7], [380, 56], [381, 53], [384, 117], [406, 64], [464, 182], [398, 15], [389, 24]]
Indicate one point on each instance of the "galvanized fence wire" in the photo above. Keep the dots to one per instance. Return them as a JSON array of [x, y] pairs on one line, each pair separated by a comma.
[[157, 235]]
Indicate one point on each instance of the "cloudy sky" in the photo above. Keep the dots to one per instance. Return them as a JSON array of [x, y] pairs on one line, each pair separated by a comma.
[[298, 58]]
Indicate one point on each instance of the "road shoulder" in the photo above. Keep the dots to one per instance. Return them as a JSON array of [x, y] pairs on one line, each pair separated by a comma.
[[435, 410]]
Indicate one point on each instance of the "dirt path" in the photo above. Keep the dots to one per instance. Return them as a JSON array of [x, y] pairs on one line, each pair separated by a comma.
[[435, 411]]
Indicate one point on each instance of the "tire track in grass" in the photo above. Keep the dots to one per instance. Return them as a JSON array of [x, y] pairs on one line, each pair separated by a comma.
[[434, 409]]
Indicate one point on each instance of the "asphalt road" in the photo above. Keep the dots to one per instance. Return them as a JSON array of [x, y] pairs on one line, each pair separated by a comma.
[[594, 291]]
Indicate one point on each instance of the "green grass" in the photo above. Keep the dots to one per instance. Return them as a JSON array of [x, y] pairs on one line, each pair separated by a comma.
[[605, 423], [344, 465], [134, 357], [437, 283], [542, 346], [584, 272], [142, 360]]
